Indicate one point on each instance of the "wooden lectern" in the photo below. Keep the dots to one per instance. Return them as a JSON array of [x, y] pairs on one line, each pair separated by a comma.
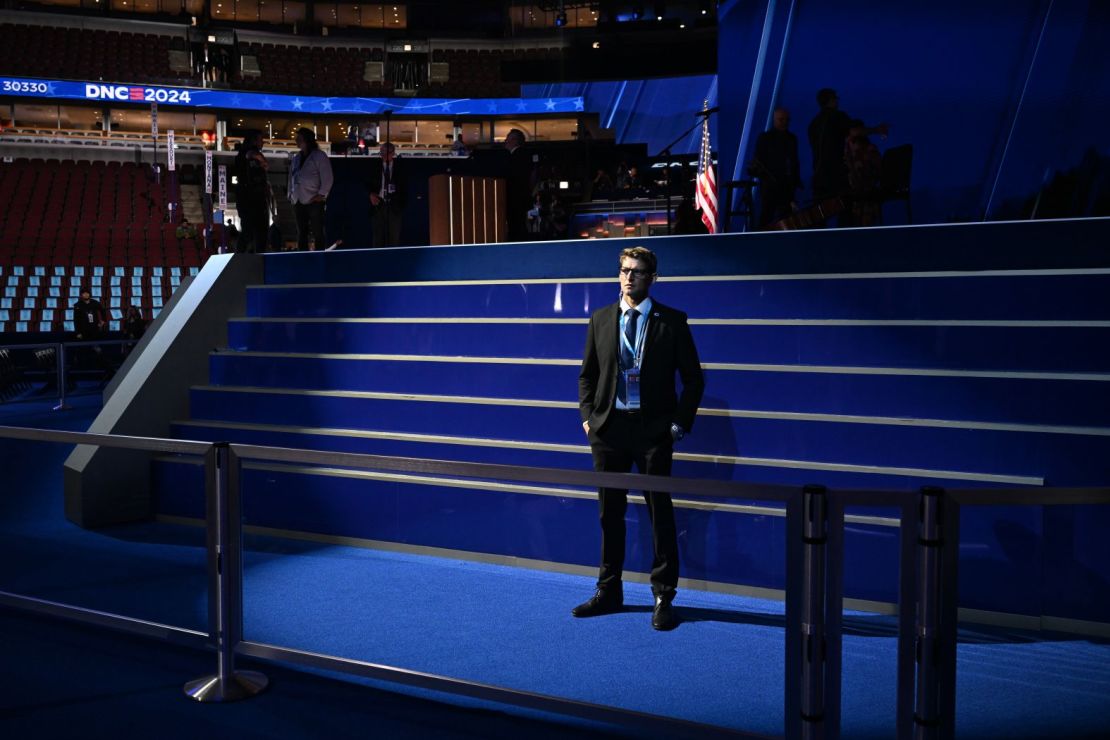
[[466, 210]]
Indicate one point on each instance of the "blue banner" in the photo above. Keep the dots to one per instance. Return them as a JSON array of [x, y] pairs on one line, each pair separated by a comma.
[[192, 97]]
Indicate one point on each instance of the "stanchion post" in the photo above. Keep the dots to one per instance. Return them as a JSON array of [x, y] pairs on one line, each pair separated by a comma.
[[908, 532], [61, 358], [929, 716], [814, 552], [834, 614], [225, 578]]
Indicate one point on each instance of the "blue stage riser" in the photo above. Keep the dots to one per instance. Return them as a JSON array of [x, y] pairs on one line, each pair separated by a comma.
[[1024, 245], [1008, 326], [1040, 349], [994, 297], [996, 399], [970, 450]]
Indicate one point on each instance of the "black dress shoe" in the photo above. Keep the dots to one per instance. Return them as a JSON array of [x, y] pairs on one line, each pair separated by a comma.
[[605, 601], [663, 617]]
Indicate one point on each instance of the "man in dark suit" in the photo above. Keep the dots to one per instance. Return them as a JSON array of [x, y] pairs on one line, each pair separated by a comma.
[[632, 414], [388, 193]]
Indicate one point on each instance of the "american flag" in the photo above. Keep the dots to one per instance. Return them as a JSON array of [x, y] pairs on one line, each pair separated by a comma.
[[705, 196]]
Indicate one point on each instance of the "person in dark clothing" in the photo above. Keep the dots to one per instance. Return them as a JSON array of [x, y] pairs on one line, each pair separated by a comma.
[[388, 195], [519, 185], [252, 193], [827, 133], [134, 325], [632, 414], [89, 318], [90, 321], [776, 166]]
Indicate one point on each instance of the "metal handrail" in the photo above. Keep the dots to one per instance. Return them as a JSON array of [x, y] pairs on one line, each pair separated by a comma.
[[60, 359], [929, 532], [697, 487]]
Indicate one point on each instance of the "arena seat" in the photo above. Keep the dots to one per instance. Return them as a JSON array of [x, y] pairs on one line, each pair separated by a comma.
[[143, 57], [68, 219]]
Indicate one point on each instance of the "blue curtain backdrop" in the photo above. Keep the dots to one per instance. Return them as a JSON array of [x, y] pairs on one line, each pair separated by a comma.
[[998, 97]]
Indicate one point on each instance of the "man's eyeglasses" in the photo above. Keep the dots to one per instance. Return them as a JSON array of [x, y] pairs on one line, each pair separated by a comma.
[[638, 274]]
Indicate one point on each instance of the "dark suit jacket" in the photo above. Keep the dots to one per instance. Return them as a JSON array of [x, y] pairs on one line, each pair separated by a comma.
[[400, 182], [668, 347]]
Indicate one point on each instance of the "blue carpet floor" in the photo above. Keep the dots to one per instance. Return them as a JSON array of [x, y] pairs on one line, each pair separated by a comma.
[[500, 625]]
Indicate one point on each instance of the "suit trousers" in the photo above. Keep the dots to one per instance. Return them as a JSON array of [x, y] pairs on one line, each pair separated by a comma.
[[624, 442], [387, 224]]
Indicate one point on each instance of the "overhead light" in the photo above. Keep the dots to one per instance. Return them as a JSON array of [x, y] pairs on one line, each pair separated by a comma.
[[597, 44]]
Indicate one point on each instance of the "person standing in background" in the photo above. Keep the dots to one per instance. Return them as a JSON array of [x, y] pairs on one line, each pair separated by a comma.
[[827, 133], [776, 166], [519, 184], [310, 181], [388, 191], [252, 193]]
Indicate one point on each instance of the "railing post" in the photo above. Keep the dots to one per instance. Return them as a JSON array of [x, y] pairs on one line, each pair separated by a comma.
[[814, 552], [225, 579], [937, 597], [908, 532], [61, 358]]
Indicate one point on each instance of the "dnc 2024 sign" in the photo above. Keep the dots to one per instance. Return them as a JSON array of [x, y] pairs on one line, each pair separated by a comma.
[[113, 92]]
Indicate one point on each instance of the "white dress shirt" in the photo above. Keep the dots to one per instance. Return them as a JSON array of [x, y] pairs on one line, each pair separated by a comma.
[[309, 176]]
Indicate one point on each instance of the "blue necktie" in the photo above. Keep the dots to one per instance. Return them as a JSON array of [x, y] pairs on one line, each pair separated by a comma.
[[627, 359]]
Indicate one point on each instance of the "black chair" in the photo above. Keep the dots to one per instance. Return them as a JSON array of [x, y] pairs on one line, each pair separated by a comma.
[[894, 177]]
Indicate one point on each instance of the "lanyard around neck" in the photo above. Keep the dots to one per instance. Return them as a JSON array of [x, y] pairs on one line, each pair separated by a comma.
[[641, 336]]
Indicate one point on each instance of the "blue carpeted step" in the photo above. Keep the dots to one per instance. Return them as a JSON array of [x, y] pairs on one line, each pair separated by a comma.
[[718, 432], [990, 296], [1064, 401], [1044, 349]]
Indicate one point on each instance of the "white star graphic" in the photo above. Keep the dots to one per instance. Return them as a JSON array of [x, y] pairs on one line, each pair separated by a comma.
[[579, 105], [236, 100], [326, 105], [491, 107], [268, 102], [520, 105], [550, 104], [298, 103]]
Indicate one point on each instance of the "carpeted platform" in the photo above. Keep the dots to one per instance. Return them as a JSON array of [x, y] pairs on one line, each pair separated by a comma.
[[495, 624]]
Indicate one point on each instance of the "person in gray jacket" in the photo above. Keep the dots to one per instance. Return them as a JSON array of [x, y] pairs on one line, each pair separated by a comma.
[[310, 181]]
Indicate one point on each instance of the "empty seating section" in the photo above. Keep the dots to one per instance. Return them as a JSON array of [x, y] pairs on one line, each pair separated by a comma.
[[38, 298], [88, 54], [88, 213], [480, 69], [100, 223], [312, 70]]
